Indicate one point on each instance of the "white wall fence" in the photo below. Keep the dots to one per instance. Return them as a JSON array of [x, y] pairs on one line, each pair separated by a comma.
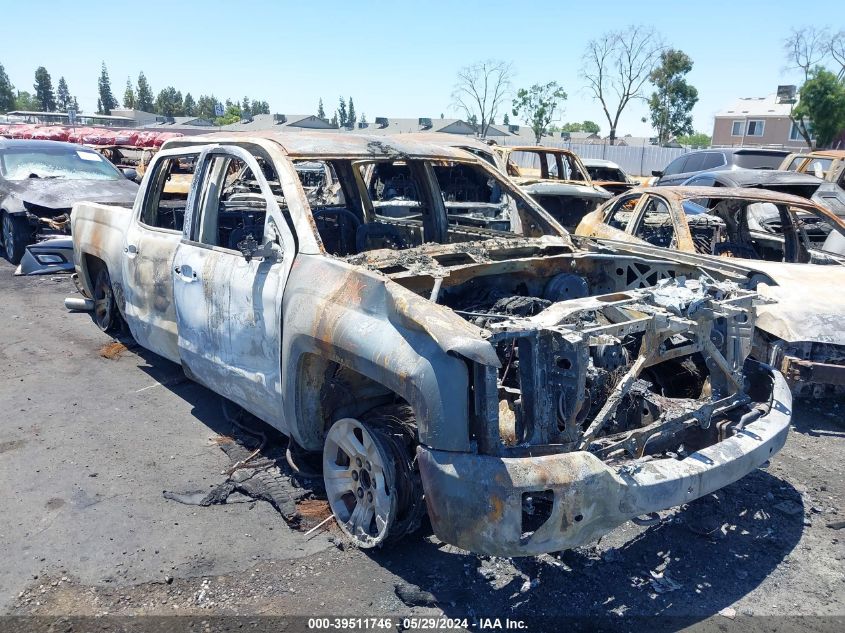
[[634, 160]]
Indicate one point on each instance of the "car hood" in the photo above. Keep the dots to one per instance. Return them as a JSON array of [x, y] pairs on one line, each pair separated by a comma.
[[809, 306], [58, 193], [536, 187]]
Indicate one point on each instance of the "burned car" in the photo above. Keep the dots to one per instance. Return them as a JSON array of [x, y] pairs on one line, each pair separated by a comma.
[[529, 394], [828, 164], [808, 186], [609, 175], [771, 233], [39, 183], [554, 177]]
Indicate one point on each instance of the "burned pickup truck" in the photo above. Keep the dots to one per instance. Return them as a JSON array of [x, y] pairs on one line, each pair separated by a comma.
[[530, 394]]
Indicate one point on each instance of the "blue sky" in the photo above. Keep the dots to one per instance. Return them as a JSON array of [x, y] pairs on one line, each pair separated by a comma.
[[394, 58]]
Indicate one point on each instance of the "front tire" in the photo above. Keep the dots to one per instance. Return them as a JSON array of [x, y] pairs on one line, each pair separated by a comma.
[[370, 475], [16, 235]]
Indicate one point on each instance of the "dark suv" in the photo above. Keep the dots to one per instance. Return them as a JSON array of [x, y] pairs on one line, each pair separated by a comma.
[[689, 164]]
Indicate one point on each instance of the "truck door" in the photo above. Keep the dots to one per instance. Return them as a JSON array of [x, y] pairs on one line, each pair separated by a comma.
[[150, 244], [229, 274]]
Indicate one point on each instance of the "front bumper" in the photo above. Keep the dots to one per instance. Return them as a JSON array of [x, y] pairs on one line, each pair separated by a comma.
[[49, 256], [476, 501]]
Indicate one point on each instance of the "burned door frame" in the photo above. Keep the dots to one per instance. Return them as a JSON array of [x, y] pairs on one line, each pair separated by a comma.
[[148, 254], [683, 237], [229, 306]]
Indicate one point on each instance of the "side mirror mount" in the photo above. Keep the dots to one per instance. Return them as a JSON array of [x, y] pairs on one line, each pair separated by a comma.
[[130, 173], [250, 247], [657, 173]]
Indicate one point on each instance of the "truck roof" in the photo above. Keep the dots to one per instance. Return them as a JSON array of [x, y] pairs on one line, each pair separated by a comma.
[[331, 144]]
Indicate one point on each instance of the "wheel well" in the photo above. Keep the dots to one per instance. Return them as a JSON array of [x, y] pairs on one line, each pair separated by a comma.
[[327, 391], [91, 267]]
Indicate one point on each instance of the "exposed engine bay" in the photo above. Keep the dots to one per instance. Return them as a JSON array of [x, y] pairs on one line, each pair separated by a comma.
[[622, 358]]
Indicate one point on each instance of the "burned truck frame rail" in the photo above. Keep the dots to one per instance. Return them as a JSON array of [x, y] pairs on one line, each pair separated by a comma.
[[430, 358]]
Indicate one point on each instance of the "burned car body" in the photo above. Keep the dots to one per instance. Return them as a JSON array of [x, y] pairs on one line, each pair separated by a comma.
[[609, 175], [804, 185], [556, 178], [39, 183], [531, 393], [776, 235]]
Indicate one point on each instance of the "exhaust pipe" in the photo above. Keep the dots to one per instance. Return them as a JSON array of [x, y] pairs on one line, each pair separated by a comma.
[[76, 304]]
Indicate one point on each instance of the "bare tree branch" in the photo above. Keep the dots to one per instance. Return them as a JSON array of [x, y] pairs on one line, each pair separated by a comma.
[[806, 47], [616, 67], [836, 50], [480, 91]]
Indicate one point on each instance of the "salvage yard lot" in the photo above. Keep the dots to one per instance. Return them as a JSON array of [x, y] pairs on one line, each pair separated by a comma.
[[88, 443]]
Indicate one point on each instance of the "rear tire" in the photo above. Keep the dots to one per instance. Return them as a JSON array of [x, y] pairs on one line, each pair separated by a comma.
[[16, 235], [105, 312]]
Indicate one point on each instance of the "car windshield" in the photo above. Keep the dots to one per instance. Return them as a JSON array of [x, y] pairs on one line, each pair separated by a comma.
[[599, 172], [67, 163]]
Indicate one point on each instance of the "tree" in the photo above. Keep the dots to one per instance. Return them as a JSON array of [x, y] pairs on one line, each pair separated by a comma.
[[189, 108], [144, 94], [506, 119], [822, 102], [7, 92], [169, 102], [616, 67], [806, 48], [591, 127], [231, 115], [74, 105], [321, 112], [205, 106], [106, 100], [671, 104], [334, 121], [481, 89], [836, 50], [342, 115], [351, 117], [537, 106], [62, 96], [26, 101], [129, 95], [696, 139], [246, 109], [44, 90]]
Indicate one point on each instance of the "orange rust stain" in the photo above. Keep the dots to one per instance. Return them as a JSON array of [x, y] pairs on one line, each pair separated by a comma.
[[112, 350], [497, 510]]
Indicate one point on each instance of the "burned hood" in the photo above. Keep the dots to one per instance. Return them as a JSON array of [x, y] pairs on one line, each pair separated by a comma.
[[60, 193], [809, 305], [535, 187]]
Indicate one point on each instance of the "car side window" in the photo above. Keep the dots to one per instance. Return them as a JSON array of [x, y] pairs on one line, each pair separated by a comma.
[[712, 160], [622, 211], [656, 226], [695, 162], [167, 195], [676, 166]]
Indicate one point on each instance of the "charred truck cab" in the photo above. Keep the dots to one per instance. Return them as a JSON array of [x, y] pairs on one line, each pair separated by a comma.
[[438, 338]]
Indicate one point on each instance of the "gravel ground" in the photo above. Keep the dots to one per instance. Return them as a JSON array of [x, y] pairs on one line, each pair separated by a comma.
[[90, 436]]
